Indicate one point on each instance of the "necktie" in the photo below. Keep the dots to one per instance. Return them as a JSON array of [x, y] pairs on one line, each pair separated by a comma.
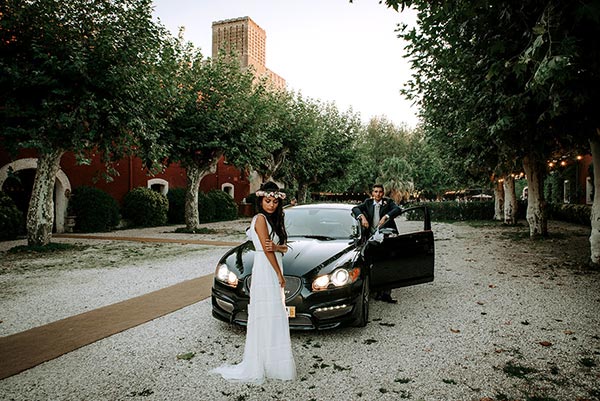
[[376, 217]]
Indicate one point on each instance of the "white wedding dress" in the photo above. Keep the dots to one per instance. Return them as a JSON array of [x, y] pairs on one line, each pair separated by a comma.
[[268, 350]]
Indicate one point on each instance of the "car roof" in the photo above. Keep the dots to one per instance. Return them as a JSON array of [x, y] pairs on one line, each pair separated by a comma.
[[344, 206]]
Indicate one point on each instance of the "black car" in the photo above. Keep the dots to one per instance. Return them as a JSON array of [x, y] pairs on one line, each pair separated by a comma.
[[331, 267]]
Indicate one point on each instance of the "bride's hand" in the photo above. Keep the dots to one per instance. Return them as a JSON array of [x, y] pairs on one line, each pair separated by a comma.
[[282, 281], [269, 246]]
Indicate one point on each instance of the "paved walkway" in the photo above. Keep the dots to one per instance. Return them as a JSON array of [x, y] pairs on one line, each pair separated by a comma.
[[22, 351]]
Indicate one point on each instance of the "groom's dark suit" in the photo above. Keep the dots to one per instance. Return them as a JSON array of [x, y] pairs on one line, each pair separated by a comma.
[[388, 207]]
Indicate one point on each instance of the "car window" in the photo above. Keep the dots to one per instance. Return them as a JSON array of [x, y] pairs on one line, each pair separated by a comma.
[[410, 221], [333, 223]]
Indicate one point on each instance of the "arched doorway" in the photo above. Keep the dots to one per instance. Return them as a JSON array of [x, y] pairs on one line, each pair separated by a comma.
[[18, 178]]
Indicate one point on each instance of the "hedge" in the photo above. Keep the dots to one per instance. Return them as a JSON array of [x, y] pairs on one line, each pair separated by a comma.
[[11, 219], [484, 210], [176, 213], [225, 206], [207, 208], [578, 214], [144, 207], [461, 211], [95, 210]]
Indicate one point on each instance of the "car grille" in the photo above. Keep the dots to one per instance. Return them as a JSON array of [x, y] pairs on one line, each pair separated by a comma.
[[292, 286]]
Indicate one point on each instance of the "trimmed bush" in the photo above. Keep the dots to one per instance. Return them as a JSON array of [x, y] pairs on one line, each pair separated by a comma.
[[226, 208], [251, 199], [145, 207], [461, 211], [176, 214], [207, 208], [11, 218], [95, 210], [578, 214]]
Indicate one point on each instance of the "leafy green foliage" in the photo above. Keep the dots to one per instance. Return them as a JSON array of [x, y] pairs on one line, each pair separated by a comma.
[[323, 148], [95, 210], [225, 206], [207, 208], [403, 160], [499, 82], [145, 207], [458, 211], [578, 214], [11, 218], [79, 75], [176, 213]]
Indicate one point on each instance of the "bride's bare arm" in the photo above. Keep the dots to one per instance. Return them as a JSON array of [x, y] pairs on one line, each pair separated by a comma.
[[263, 235]]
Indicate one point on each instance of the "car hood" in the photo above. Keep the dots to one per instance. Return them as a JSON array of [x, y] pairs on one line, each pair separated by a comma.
[[306, 254], [303, 255]]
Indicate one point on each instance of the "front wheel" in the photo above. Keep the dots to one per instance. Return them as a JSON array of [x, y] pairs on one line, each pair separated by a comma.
[[363, 305]]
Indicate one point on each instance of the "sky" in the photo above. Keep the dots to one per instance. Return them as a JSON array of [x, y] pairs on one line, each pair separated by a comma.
[[331, 50]]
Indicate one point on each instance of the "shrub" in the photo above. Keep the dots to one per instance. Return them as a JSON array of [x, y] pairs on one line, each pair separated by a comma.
[[461, 211], [11, 218], [207, 208], [226, 208], [176, 197], [95, 210], [251, 198], [145, 207], [577, 214]]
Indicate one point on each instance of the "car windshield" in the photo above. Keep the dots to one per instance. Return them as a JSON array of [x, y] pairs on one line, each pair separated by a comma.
[[320, 223]]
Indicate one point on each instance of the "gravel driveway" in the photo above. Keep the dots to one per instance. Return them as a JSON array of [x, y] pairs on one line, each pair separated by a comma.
[[505, 319]]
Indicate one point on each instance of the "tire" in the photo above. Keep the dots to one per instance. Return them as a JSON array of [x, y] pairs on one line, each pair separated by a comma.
[[363, 316]]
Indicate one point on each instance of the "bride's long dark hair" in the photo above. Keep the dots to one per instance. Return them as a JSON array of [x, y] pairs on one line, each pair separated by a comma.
[[275, 219]]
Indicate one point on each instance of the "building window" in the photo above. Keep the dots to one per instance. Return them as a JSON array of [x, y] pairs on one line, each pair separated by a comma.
[[159, 185], [228, 188]]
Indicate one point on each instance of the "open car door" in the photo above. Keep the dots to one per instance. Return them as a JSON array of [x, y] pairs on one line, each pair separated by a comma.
[[404, 257]]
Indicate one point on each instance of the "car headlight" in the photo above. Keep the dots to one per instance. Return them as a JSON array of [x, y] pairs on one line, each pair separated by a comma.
[[226, 276], [338, 278]]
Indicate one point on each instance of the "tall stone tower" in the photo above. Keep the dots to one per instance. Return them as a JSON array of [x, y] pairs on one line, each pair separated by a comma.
[[248, 40]]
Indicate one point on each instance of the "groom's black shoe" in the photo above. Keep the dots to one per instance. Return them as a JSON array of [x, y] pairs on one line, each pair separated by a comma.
[[388, 298]]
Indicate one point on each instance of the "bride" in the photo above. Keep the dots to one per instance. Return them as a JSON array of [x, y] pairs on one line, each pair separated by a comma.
[[268, 350]]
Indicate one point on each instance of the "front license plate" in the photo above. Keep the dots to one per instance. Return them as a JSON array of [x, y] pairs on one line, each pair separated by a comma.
[[291, 311]]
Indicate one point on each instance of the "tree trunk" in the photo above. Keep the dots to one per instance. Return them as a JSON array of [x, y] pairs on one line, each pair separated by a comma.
[[40, 215], [499, 201], [536, 204], [595, 215], [510, 201], [195, 174], [255, 180], [302, 192], [192, 215]]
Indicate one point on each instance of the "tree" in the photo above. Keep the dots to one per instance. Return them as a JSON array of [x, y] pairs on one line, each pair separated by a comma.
[[218, 112], [530, 70], [77, 76], [323, 146], [279, 138]]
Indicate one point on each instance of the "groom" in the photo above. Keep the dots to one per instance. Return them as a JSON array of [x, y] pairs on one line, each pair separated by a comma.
[[375, 212]]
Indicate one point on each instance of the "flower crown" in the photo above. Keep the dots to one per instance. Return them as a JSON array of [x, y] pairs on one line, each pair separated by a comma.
[[273, 194]]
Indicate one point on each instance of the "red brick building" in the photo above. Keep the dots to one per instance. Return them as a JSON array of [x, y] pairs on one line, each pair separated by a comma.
[[16, 179]]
